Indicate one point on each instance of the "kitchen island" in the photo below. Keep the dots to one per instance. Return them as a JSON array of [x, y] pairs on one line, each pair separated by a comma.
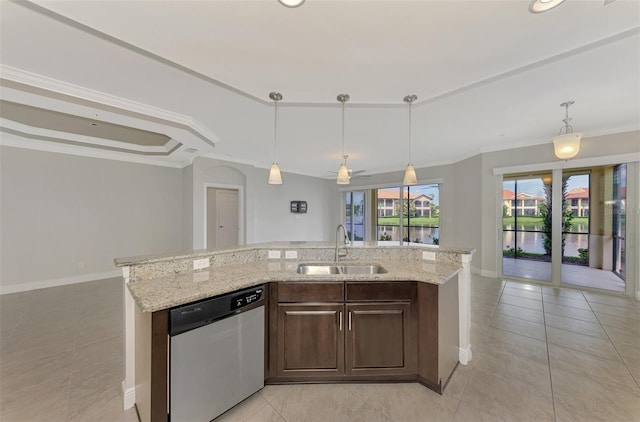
[[419, 303]]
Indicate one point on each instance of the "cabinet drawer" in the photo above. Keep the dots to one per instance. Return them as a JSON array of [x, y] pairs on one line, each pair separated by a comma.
[[386, 291], [311, 292]]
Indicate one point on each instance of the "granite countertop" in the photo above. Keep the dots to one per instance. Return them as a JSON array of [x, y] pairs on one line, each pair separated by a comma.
[[160, 293], [134, 260]]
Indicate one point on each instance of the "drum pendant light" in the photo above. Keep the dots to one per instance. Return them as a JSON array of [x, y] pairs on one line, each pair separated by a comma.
[[275, 177], [343, 171], [566, 145], [410, 172]]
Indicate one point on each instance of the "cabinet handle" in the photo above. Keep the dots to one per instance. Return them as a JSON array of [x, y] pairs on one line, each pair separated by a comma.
[[349, 320], [340, 317]]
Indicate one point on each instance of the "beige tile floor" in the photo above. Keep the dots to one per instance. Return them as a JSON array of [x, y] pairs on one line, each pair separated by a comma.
[[573, 275], [540, 354]]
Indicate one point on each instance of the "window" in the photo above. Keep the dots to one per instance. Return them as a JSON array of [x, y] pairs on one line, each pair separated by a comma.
[[409, 214], [355, 215]]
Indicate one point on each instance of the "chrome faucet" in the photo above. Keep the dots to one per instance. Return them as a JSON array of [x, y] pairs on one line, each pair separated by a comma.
[[344, 238]]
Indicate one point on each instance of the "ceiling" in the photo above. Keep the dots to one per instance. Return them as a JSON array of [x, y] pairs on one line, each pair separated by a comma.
[[489, 75]]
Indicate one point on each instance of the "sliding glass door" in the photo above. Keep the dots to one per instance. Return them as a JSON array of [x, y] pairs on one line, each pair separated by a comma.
[[619, 221], [572, 232], [526, 226]]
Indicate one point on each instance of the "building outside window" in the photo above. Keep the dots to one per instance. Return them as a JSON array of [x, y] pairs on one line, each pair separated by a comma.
[[409, 214]]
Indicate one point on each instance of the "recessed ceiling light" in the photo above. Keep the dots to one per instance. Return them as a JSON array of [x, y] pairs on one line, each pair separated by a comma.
[[291, 3], [539, 6], [191, 150]]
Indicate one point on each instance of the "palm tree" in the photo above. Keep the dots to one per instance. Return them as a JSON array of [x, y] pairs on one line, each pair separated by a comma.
[[546, 214]]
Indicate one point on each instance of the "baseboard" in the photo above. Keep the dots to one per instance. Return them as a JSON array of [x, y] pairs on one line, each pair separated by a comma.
[[43, 284], [464, 355], [128, 396], [490, 274]]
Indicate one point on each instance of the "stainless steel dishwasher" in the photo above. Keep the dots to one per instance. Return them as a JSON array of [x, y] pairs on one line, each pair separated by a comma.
[[216, 354]]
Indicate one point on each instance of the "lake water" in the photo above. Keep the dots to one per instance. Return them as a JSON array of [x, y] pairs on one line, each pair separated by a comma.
[[424, 234], [533, 241], [528, 241]]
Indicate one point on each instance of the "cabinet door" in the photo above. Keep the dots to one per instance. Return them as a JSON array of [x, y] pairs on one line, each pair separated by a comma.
[[379, 339], [310, 340]]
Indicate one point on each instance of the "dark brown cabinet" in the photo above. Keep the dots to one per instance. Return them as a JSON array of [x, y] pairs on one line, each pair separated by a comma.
[[378, 339], [315, 337], [310, 340]]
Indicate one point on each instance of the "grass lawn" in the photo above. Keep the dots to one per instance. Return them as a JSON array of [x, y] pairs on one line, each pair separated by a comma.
[[526, 220], [415, 221]]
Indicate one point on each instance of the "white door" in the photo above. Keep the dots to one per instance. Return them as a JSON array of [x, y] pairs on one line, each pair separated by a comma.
[[222, 218]]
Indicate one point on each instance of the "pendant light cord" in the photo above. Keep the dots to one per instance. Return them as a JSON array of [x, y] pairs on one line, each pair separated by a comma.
[[344, 159], [409, 99], [567, 127], [275, 131], [410, 103]]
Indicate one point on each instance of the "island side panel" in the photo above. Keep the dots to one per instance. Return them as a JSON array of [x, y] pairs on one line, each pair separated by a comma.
[[271, 331], [142, 381], [448, 329], [428, 335], [159, 365], [151, 365]]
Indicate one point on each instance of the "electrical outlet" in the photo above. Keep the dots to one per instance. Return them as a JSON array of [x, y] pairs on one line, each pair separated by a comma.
[[274, 254], [291, 255], [199, 264], [430, 256]]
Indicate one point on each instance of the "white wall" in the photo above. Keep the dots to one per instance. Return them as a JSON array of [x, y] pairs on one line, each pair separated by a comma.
[[187, 207], [467, 207], [65, 218], [268, 217]]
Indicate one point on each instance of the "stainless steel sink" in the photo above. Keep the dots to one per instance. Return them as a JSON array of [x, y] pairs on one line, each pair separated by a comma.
[[362, 269], [318, 269], [328, 269]]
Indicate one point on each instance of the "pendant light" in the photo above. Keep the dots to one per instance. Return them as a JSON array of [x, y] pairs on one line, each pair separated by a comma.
[[410, 172], [275, 178], [343, 171], [566, 145]]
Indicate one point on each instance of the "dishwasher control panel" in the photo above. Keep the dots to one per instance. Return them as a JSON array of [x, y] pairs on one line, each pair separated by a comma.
[[246, 298], [193, 315]]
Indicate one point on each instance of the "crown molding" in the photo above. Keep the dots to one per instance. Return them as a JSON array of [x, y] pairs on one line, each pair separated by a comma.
[[51, 85], [88, 141], [12, 140]]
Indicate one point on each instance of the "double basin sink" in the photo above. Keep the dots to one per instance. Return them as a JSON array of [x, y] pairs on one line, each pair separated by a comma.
[[337, 268]]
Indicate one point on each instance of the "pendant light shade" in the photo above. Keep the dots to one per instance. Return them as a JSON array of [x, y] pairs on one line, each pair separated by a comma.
[[275, 177], [567, 145], [410, 172], [343, 171], [410, 178]]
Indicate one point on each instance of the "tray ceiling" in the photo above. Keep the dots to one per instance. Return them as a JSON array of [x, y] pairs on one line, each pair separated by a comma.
[[489, 75]]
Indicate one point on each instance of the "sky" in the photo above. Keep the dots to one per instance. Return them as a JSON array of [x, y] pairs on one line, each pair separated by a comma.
[[533, 186]]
